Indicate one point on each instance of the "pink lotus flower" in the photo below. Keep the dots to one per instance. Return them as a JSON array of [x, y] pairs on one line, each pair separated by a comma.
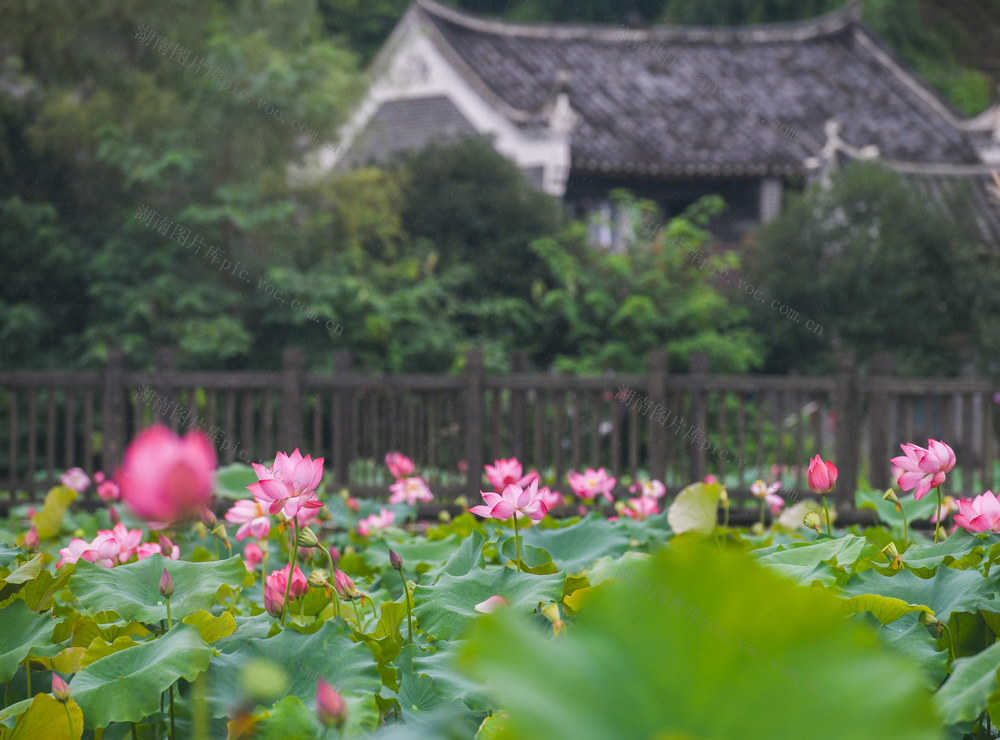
[[410, 490], [252, 518], [761, 490], [329, 705], [149, 549], [711, 478], [108, 491], [76, 479], [252, 555], [982, 514], [822, 476], [127, 539], [592, 483], [400, 466], [504, 472], [550, 498], [648, 488], [924, 469], [383, 519], [289, 485], [103, 551], [514, 501], [774, 503], [165, 478], [274, 589], [640, 507], [353, 505], [491, 604]]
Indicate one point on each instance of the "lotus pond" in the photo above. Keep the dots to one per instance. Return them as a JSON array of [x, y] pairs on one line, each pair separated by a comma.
[[303, 613]]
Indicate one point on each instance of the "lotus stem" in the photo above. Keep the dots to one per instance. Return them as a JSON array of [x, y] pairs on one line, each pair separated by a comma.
[[517, 543], [937, 516], [763, 509], [172, 712], [27, 668], [406, 594], [69, 718], [826, 511], [291, 567]]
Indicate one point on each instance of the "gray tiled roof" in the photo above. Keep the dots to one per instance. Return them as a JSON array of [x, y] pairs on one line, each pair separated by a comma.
[[673, 105], [403, 125]]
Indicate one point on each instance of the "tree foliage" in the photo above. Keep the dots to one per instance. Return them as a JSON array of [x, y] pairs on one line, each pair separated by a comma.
[[879, 266]]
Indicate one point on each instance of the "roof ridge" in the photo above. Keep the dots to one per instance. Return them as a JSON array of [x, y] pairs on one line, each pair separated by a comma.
[[823, 25]]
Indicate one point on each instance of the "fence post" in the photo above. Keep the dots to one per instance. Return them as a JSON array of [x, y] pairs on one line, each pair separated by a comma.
[[518, 364], [699, 415], [846, 432], [342, 361], [656, 392], [292, 377], [113, 410], [163, 361], [879, 423], [474, 418]]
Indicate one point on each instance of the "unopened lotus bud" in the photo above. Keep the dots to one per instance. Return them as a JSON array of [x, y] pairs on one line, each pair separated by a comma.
[[334, 553], [60, 689], [343, 585], [306, 553], [31, 541], [307, 538], [319, 578], [166, 545], [890, 495], [395, 561], [166, 585], [813, 521], [330, 705], [113, 515], [209, 519], [353, 505]]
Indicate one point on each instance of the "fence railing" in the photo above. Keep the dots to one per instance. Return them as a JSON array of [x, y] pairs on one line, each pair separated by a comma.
[[676, 427]]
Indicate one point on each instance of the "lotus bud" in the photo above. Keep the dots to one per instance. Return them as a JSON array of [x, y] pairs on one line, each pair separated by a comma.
[[319, 578], [334, 553], [395, 561], [60, 689], [31, 542], [329, 705], [166, 545], [462, 502], [890, 495], [166, 585], [307, 538], [353, 505], [813, 521], [209, 519], [113, 515], [444, 516], [306, 553], [344, 586]]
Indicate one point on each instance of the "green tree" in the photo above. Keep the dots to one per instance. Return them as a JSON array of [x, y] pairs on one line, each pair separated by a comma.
[[878, 266]]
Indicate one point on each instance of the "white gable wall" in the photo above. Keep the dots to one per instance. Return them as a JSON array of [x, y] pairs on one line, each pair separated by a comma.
[[413, 67]]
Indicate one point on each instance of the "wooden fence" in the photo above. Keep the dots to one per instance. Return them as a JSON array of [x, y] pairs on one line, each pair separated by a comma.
[[676, 427]]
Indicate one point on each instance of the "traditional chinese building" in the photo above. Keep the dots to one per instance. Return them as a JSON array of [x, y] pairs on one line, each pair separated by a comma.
[[670, 113]]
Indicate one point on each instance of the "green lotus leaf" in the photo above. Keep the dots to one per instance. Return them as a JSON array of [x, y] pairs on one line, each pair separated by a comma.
[[23, 631], [948, 591], [964, 695], [445, 608], [576, 547], [691, 626], [126, 685], [133, 590]]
